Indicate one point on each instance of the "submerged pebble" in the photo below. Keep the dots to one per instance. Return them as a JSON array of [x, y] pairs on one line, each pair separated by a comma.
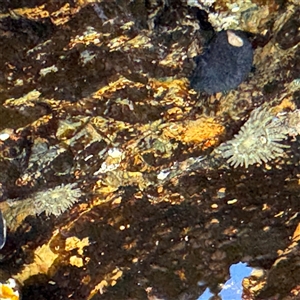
[[225, 64], [289, 34]]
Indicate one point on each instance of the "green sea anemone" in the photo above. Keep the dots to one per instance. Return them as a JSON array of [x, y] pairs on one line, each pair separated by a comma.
[[57, 200], [257, 141]]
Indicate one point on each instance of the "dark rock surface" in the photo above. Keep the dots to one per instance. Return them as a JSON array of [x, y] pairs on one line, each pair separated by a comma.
[[97, 114]]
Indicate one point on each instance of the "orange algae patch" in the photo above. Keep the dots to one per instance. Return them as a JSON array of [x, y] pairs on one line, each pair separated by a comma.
[[172, 91], [175, 87], [117, 85], [44, 258], [174, 83], [7, 292], [110, 279], [74, 242], [204, 131], [286, 104], [34, 13], [60, 16]]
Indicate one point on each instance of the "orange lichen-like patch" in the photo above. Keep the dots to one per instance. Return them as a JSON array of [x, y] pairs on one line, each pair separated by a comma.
[[173, 131], [109, 280], [282, 254], [168, 83], [203, 131], [88, 37], [86, 279], [174, 92], [296, 234], [58, 17], [295, 291], [172, 60], [64, 14], [76, 261], [118, 42], [99, 288], [179, 86], [43, 260], [115, 86], [6, 292], [286, 104], [113, 180], [75, 243], [174, 113], [34, 13], [137, 42], [181, 274]]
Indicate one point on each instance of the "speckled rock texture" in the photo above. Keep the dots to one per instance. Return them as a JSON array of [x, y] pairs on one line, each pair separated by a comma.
[[116, 176]]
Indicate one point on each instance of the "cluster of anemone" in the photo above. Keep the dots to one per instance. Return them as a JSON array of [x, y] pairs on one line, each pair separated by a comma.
[[259, 140], [57, 200]]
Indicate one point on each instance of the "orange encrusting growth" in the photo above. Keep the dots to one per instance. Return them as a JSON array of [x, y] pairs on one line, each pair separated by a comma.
[[204, 131], [6, 292]]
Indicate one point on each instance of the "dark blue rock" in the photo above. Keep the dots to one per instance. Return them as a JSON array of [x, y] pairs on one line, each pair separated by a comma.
[[225, 64]]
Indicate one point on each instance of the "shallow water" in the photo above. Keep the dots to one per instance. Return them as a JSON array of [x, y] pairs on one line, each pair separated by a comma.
[[112, 185]]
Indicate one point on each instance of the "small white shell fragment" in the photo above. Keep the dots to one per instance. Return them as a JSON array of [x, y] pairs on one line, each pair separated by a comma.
[[19, 82], [163, 175], [235, 8], [4, 136], [45, 71], [232, 201], [87, 56], [115, 152]]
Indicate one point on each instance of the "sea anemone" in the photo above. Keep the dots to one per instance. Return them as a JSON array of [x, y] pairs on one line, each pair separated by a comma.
[[257, 141], [57, 200]]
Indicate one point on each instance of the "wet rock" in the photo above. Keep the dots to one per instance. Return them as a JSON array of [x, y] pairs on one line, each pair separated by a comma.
[[119, 152], [289, 34]]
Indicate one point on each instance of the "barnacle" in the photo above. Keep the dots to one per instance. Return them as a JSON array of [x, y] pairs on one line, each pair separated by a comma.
[[257, 141], [56, 201]]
